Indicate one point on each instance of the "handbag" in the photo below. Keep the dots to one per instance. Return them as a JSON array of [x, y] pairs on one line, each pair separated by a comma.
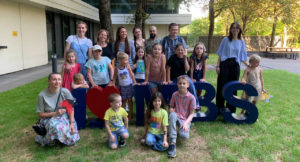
[[39, 127]]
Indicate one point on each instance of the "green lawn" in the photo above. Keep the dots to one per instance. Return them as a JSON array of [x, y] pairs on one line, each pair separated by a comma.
[[274, 137]]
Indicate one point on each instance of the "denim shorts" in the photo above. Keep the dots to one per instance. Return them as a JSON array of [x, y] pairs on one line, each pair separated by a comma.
[[116, 134], [126, 91], [154, 84]]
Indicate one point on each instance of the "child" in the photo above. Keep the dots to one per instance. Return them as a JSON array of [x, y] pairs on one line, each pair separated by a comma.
[[139, 65], [79, 82], [177, 65], [182, 107], [99, 69], [114, 124], [155, 68], [254, 77], [68, 73], [125, 77], [156, 123]]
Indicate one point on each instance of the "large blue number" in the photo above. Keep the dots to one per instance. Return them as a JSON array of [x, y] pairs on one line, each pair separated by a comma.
[[141, 93], [251, 110], [212, 110]]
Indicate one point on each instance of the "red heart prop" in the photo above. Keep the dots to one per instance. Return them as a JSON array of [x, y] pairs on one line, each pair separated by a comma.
[[97, 99]]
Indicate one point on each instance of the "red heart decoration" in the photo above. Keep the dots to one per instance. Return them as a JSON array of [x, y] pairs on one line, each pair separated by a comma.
[[97, 99]]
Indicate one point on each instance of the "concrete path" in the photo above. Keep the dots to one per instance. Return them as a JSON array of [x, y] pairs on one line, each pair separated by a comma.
[[13, 80]]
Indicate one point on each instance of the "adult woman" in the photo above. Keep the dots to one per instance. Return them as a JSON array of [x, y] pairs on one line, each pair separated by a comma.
[[60, 126], [81, 45], [123, 45], [232, 51], [138, 40], [103, 41]]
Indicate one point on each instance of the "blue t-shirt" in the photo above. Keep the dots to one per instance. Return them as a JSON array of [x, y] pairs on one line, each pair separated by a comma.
[[122, 49], [232, 49], [99, 68], [80, 46]]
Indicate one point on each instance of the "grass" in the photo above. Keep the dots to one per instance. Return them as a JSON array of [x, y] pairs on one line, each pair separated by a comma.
[[274, 137]]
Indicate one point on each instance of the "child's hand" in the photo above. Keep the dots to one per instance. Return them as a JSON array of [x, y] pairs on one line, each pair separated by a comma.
[[194, 80], [165, 144], [112, 139], [136, 83], [111, 83], [144, 83], [202, 80], [143, 141], [94, 85], [218, 70], [243, 81], [184, 127], [264, 91], [164, 83], [134, 66], [170, 82], [68, 68]]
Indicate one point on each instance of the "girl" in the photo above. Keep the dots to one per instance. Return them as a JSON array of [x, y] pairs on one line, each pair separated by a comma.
[[198, 63], [126, 81], [137, 37], [139, 65], [232, 51], [156, 124], [253, 73], [123, 45], [155, 68], [81, 45], [177, 65], [79, 81], [67, 74]]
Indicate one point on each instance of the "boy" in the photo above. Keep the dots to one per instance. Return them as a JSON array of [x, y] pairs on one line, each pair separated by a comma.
[[182, 107], [99, 69], [114, 124], [125, 79]]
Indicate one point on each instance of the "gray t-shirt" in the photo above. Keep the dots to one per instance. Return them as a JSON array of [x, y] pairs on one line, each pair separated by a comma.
[[47, 101]]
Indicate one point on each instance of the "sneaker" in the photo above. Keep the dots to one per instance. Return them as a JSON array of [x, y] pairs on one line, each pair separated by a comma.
[[122, 142], [172, 151]]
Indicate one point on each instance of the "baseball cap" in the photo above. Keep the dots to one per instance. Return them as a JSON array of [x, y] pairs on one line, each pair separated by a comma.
[[97, 47]]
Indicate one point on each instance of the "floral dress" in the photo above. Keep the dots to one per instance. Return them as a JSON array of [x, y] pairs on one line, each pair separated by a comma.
[[58, 127]]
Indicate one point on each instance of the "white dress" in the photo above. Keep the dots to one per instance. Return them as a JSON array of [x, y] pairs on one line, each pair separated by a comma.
[[253, 78]]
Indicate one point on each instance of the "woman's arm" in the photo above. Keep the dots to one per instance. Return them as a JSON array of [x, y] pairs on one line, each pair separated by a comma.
[[71, 118], [51, 114], [218, 65], [63, 71], [90, 55], [67, 47]]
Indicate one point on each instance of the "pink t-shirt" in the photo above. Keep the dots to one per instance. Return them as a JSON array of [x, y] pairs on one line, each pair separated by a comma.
[[183, 104], [155, 72]]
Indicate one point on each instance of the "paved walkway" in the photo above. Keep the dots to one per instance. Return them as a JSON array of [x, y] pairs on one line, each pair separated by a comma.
[[13, 80]]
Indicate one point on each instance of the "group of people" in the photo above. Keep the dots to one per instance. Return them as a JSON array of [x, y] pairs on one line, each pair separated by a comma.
[[154, 62]]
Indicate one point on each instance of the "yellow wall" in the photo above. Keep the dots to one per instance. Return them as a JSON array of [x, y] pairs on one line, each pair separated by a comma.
[[23, 30], [34, 37]]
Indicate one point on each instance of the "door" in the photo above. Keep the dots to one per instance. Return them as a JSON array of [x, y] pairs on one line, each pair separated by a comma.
[[11, 58]]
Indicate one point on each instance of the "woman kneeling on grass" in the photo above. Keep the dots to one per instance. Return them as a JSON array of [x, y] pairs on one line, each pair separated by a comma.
[[60, 124]]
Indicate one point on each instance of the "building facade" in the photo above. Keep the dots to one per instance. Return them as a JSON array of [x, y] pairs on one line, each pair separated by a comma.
[[33, 30]]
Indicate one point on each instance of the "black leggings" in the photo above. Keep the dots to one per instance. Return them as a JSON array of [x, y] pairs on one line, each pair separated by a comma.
[[229, 71]]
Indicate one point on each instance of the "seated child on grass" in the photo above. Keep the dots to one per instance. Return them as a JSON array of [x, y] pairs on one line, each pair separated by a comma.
[[156, 123], [182, 107], [79, 82], [114, 124]]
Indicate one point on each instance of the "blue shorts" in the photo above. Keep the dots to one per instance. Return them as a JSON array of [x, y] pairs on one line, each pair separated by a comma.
[[154, 85], [118, 133], [126, 91]]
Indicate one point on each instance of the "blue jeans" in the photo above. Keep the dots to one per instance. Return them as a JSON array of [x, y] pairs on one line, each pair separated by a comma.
[[120, 132], [192, 90], [155, 141], [175, 122]]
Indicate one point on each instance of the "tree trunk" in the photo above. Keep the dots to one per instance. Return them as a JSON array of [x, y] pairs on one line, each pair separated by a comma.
[[227, 23], [138, 18], [144, 6], [211, 25], [105, 18], [285, 38], [273, 32]]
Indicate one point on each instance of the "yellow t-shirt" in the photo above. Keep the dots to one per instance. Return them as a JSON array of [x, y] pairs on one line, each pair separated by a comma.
[[158, 121], [115, 118]]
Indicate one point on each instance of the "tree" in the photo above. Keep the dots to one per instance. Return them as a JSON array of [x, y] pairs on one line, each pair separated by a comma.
[[105, 18], [141, 15]]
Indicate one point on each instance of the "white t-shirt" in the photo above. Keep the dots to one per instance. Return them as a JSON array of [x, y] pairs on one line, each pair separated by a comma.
[[99, 68]]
